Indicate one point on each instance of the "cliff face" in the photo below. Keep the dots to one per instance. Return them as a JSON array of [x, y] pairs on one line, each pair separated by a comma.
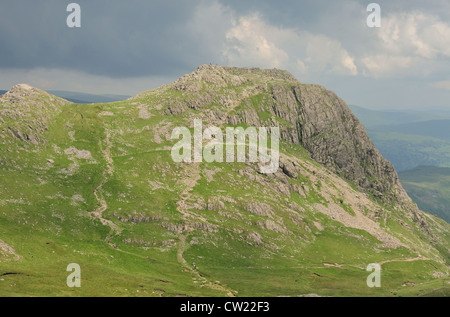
[[309, 115], [327, 128]]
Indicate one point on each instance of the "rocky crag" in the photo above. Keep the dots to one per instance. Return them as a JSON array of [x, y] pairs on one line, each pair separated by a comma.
[[77, 178], [308, 115]]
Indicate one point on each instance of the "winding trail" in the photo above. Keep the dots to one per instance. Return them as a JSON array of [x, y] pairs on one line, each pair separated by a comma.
[[98, 212], [190, 183], [418, 258], [335, 265]]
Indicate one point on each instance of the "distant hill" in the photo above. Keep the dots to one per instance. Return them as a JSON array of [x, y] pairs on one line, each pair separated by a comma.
[[406, 151], [80, 97], [429, 187], [409, 138], [439, 129], [378, 118], [418, 145]]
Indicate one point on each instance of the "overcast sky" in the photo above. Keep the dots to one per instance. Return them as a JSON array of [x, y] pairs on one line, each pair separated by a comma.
[[125, 47]]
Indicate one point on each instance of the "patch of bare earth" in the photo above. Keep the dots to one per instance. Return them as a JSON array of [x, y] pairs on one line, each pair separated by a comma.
[[98, 212], [356, 200], [7, 251]]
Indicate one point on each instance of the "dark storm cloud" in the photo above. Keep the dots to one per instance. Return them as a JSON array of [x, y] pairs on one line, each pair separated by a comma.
[[152, 38], [117, 38], [128, 38]]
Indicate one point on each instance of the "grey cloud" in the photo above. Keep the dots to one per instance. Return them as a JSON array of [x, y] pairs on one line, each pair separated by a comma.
[[164, 37], [117, 38]]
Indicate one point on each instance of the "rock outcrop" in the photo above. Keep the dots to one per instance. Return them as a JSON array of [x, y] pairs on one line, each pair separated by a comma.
[[25, 111], [311, 116]]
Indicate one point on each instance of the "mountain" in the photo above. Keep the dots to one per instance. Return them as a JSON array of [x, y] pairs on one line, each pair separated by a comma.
[[407, 151], [409, 138], [77, 178], [439, 129], [380, 118], [429, 186], [79, 97]]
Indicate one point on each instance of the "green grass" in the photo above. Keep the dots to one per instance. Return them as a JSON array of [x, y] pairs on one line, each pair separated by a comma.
[[47, 196]]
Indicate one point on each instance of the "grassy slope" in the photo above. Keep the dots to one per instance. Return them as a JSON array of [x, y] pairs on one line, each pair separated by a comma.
[[41, 217], [50, 232]]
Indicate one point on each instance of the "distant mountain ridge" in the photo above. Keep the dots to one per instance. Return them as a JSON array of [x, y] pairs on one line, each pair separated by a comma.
[[418, 145], [439, 129], [80, 97], [379, 118], [409, 138]]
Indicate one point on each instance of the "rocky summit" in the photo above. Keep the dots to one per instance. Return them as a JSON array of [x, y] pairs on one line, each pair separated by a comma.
[[95, 184]]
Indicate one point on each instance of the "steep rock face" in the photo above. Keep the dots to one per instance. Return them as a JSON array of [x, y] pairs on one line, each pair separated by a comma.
[[327, 128], [311, 116]]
